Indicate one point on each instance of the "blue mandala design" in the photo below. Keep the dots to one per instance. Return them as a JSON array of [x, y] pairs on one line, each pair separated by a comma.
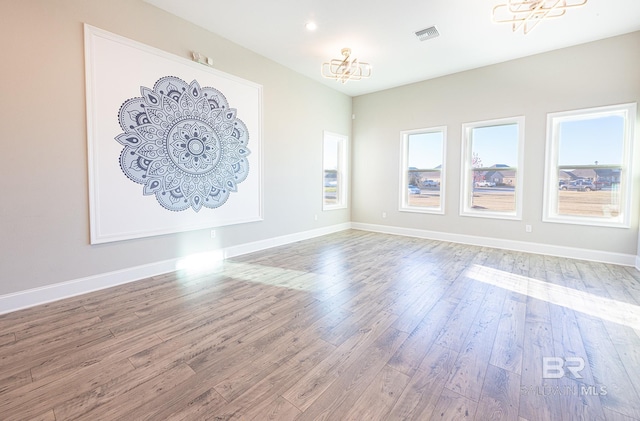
[[184, 144]]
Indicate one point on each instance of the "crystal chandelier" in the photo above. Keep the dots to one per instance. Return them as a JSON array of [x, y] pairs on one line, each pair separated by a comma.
[[346, 69], [526, 14]]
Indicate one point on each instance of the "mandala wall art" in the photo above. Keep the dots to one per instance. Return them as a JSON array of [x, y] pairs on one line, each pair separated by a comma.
[[184, 144], [173, 145]]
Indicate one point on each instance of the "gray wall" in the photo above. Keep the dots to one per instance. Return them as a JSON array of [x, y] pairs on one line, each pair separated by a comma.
[[44, 214], [595, 74]]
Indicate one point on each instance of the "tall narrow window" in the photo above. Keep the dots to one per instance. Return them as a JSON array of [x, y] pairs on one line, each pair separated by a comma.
[[334, 164], [492, 168], [422, 179], [588, 166]]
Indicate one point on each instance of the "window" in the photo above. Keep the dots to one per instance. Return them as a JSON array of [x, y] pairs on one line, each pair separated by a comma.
[[492, 168], [588, 166], [422, 167], [334, 164]]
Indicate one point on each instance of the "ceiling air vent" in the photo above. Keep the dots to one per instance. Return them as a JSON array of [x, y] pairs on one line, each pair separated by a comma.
[[427, 33]]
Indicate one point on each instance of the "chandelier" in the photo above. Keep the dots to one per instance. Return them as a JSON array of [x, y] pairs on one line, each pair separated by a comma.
[[346, 69], [526, 14]]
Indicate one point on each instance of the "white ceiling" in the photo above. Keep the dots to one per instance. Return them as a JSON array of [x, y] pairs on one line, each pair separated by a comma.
[[381, 32]]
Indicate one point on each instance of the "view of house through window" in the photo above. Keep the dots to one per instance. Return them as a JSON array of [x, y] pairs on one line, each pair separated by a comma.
[[334, 194], [491, 168], [588, 159], [422, 180]]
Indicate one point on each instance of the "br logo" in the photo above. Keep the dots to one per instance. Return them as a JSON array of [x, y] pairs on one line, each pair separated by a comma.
[[554, 367]]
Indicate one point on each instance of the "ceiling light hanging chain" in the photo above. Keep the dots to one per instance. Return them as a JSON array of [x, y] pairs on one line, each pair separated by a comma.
[[346, 69], [526, 14]]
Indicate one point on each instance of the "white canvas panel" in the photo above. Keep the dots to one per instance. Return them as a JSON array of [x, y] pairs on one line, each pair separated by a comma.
[[192, 162]]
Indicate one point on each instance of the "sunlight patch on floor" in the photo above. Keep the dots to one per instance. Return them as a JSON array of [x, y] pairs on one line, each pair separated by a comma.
[[590, 304], [267, 275], [215, 263]]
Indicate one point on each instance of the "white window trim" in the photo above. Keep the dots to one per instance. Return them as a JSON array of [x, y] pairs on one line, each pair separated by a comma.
[[467, 186], [343, 170], [550, 202], [404, 148]]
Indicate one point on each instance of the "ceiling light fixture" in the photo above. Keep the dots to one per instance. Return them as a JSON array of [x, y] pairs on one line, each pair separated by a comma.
[[526, 14], [311, 26], [346, 69]]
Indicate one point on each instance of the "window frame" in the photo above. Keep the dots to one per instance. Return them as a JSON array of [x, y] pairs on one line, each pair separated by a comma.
[[466, 169], [550, 202], [404, 151], [342, 176]]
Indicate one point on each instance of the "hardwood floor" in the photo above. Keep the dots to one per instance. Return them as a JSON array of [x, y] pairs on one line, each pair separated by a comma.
[[350, 326]]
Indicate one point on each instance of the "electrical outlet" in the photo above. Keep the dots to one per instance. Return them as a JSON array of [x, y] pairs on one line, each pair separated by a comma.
[[315, 217], [213, 233], [527, 228], [384, 214]]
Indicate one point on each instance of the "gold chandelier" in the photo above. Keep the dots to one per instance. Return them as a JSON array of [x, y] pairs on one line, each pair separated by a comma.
[[346, 69], [526, 14]]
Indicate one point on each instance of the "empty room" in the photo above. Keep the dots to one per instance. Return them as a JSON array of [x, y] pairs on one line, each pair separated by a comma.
[[305, 210]]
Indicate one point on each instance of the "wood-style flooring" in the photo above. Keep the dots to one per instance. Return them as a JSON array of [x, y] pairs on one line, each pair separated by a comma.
[[349, 326]]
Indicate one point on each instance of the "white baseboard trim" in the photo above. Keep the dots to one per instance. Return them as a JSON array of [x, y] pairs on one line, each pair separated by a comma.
[[50, 293], [637, 262], [536, 248], [282, 240]]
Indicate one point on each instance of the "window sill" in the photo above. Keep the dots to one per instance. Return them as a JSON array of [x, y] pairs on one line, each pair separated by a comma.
[[492, 215], [593, 222], [433, 211]]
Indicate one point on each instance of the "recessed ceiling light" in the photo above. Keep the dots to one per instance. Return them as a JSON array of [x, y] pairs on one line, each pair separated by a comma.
[[311, 26]]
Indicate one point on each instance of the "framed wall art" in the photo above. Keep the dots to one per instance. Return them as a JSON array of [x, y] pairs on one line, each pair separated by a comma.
[[173, 145]]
